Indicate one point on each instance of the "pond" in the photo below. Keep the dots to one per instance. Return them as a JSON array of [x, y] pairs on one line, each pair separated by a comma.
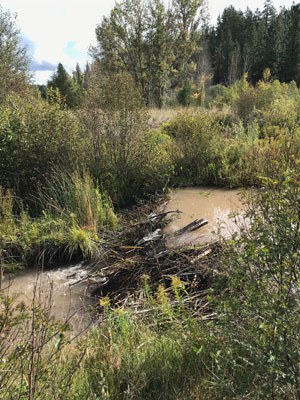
[[222, 208]]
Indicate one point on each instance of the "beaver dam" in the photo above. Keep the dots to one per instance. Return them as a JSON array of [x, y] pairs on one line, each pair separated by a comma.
[[181, 239]]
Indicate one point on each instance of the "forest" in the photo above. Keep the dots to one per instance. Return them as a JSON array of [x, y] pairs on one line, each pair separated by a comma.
[[167, 101], [173, 55]]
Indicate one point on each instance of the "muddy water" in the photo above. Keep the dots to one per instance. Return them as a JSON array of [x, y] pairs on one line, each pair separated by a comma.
[[70, 301], [214, 205], [55, 287]]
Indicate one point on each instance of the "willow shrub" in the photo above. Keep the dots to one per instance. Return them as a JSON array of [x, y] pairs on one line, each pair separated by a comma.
[[195, 135], [152, 167], [35, 136], [269, 103], [127, 160]]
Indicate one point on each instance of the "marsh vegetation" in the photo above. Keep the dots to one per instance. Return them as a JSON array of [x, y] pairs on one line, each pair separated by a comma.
[[83, 163]]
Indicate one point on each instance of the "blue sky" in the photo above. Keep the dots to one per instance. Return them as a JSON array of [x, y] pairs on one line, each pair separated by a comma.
[[62, 30]]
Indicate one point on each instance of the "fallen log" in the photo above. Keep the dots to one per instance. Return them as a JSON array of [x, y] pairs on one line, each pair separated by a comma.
[[198, 223]]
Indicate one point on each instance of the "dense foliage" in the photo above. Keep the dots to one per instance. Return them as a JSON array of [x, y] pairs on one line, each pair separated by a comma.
[[34, 137], [14, 61], [253, 41], [68, 159]]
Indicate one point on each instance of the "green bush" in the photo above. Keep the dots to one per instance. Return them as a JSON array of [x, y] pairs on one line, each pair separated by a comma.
[[195, 135], [255, 343], [268, 103], [127, 160], [35, 136], [153, 167]]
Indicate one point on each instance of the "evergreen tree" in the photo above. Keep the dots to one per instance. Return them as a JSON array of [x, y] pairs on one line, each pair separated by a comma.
[[246, 43], [86, 76], [280, 32], [78, 76], [68, 88], [264, 46], [228, 61], [290, 63]]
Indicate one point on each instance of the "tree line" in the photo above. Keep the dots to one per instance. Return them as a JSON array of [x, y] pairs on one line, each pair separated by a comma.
[[171, 52], [250, 42]]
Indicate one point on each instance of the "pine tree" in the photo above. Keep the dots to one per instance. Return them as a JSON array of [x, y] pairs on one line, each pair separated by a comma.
[[68, 88], [264, 46], [228, 57], [290, 65]]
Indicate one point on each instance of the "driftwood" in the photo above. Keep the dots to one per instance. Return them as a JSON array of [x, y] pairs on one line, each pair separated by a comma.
[[159, 217], [151, 237], [201, 255], [198, 223]]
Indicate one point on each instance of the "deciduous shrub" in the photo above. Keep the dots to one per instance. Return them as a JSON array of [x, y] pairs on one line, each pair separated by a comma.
[[256, 338], [35, 136]]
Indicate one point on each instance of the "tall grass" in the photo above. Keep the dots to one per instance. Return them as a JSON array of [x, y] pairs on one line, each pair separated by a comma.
[[7, 220], [137, 356], [128, 356], [75, 197], [74, 214]]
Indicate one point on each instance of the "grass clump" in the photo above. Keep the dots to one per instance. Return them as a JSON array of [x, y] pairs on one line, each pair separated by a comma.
[[76, 198], [70, 227]]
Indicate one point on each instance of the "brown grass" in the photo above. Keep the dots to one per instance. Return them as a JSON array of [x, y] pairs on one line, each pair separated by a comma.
[[157, 116]]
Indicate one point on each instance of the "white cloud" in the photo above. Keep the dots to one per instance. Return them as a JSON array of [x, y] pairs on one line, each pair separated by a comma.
[[41, 77], [50, 25]]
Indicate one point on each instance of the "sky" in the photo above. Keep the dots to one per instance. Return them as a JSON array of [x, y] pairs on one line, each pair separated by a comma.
[[63, 30]]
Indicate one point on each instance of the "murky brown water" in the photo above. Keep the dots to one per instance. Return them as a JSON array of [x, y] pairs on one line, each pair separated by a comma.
[[54, 286], [214, 205]]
